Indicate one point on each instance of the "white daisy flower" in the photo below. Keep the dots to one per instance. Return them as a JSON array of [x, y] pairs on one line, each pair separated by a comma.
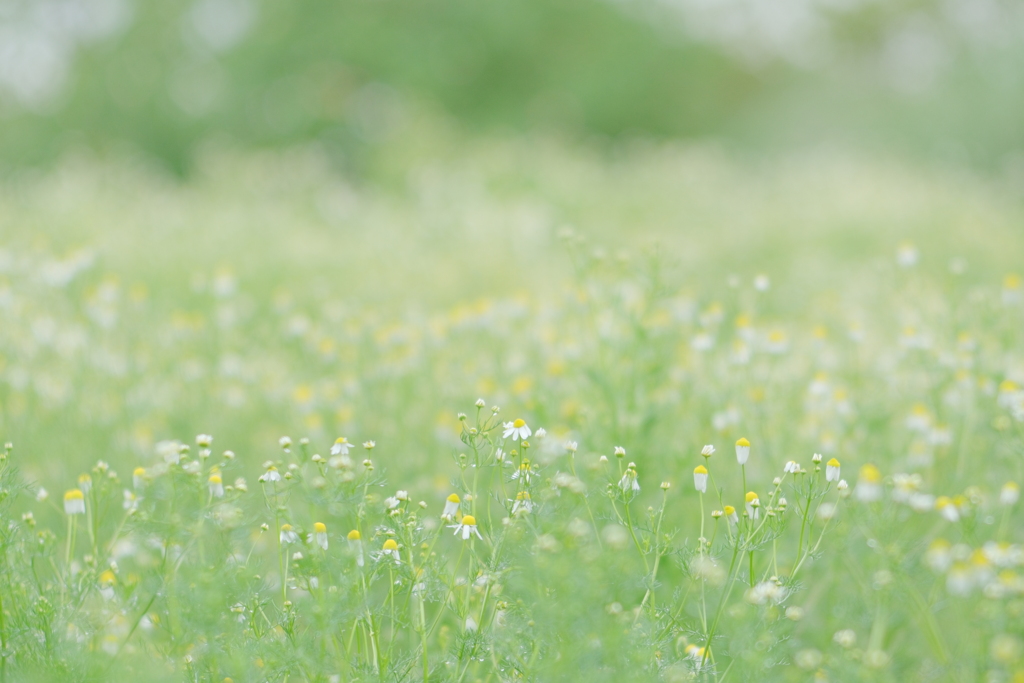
[[522, 502], [947, 508], [753, 504], [1009, 494], [216, 485], [700, 478], [355, 544], [74, 502], [271, 475], [467, 527], [730, 514], [869, 484], [517, 430], [341, 446], [107, 580], [742, 450], [524, 472], [451, 507], [832, 470], [390, 550], [629, 480], [320, 534], [288, 534], [791, 467]]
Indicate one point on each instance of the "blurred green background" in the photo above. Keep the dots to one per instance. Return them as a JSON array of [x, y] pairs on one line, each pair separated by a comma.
[[940, 80]]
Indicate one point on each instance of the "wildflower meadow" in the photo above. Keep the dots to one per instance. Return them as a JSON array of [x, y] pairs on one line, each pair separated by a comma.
[[528, 412]]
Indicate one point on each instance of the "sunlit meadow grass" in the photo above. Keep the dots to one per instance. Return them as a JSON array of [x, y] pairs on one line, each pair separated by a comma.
[[539, 416]]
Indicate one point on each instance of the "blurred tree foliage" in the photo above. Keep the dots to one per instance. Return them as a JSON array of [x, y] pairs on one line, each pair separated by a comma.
[[331, 70], [941, 78]]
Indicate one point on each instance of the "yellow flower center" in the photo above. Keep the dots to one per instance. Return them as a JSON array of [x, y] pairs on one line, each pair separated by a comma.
[[390, 544], [320, 528], [519, 423], [469, 520], [870, 474]]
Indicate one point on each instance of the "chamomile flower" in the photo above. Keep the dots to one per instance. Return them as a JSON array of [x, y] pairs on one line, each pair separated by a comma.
[[288, 534], [753, 505], [767, 592], [524, 472], [1009, 494], [216, 485], [106, 581], [451, 507], [390, 550], [791, 467], [341, 446], [869, 484], [629, 481], [320, 534], [707, 451], [730, 514], [522, 503], [139, 477], [85, 483], [517, 429], [695, 653], [947, 508], [467, 527], [355, 544], [74, 502], [832, 470], [700, 478], [270, 475], [742, 450]]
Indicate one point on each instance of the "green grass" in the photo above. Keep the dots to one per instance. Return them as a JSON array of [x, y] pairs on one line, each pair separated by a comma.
[[606, 295]]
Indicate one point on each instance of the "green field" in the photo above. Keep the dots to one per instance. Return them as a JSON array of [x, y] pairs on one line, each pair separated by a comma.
[[635, 301]]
